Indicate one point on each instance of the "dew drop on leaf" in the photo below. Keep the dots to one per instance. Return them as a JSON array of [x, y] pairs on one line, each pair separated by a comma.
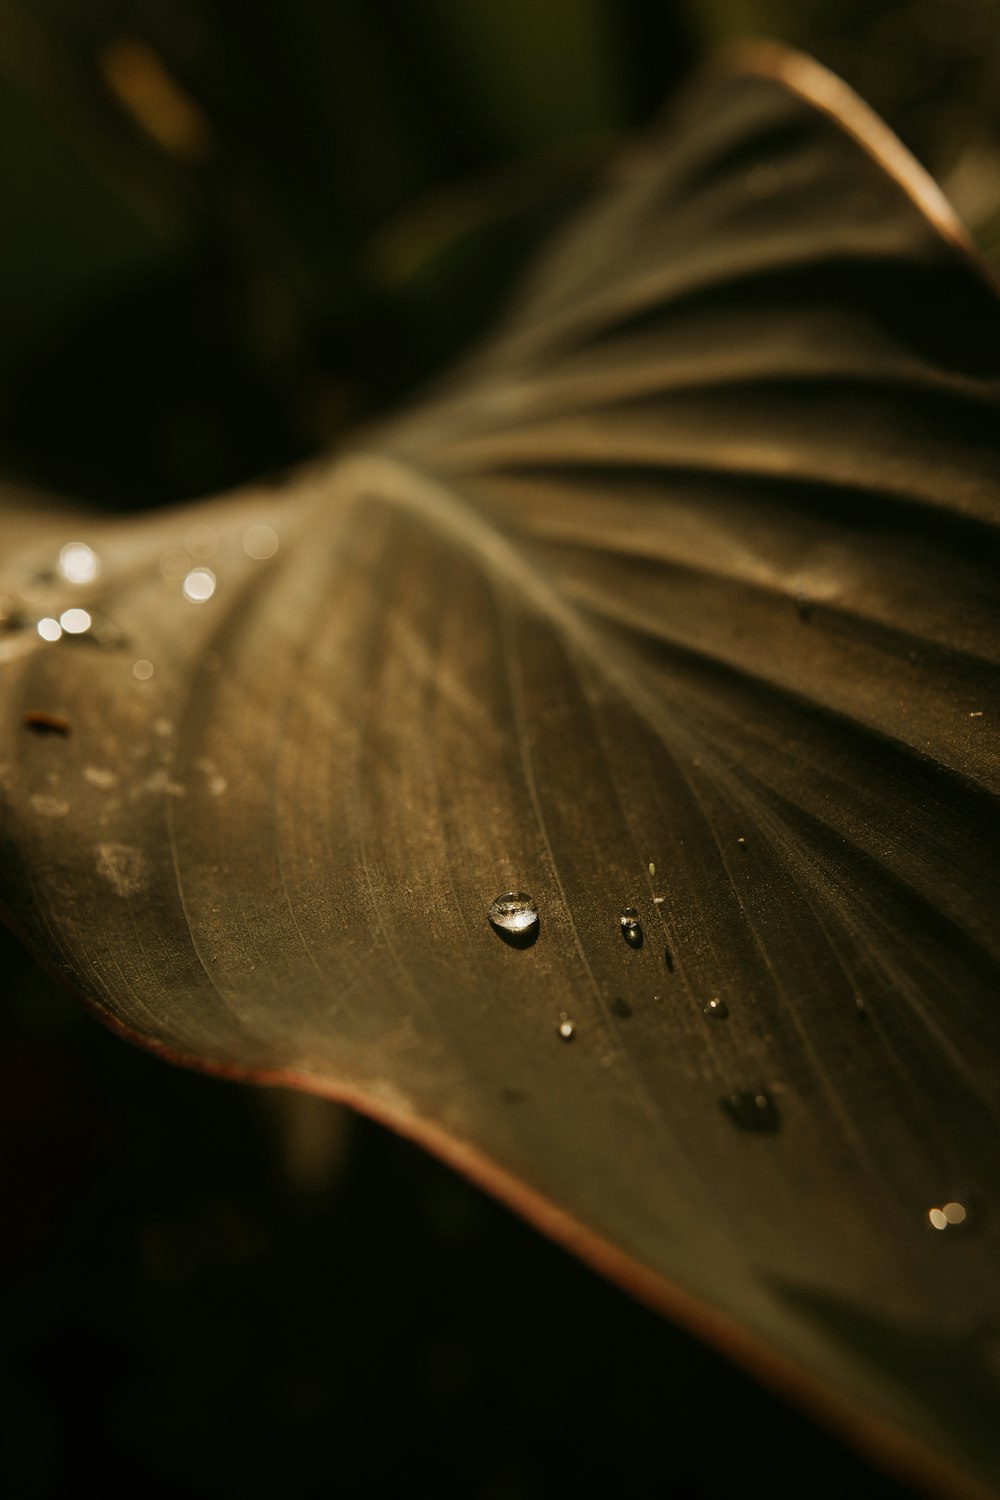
[[514, 911], [752, 1109], [199, 585], [631, 927], [75, 621], [566, 1028], [948, 1217], [716, 1009]]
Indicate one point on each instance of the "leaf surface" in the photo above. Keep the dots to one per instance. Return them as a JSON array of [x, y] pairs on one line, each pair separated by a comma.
[[680, 596]]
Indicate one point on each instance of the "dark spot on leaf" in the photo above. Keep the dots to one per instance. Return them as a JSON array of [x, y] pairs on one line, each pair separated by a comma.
[[45, 723]]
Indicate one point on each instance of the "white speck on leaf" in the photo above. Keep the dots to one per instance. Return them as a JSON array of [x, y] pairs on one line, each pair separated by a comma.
[[124, 868], [48, 807], [99, 777]]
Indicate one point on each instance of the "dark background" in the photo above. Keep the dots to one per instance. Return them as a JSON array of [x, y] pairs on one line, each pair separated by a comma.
[[230, 231]]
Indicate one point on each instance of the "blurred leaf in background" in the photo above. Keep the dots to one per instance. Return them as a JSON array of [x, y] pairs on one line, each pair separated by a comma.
[[230, 232]]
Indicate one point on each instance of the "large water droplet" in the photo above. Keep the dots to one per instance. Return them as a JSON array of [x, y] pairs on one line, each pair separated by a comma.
[[566, 1029], [78, 563], [752, 1109], [631, 927], [716, 1009], [49, 629], [514, 912]]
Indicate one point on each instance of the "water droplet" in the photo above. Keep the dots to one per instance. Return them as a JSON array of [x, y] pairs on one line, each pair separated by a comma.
[[513, 912], [78, 563], [752, 1109], [260, 542], [742, 842], [75, 621], [199, 585], [717, 1009], [621, 1008], [976, 714], [142, 669], [49, 629], [631, 927], [566, 1028], [948, 1217]]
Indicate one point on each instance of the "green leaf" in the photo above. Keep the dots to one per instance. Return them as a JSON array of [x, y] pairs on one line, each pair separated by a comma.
[[680, 596]]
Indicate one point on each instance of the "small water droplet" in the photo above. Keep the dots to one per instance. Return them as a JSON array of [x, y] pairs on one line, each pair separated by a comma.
[[75, 621], [513, 912], [260, 542], [49, 629], [631, 927], [752, 1109], [566, 1028], [742, 842], [199, 585], [142, 669], [621, 1008], [948, 1217], [717, 1009], [78, 563]]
